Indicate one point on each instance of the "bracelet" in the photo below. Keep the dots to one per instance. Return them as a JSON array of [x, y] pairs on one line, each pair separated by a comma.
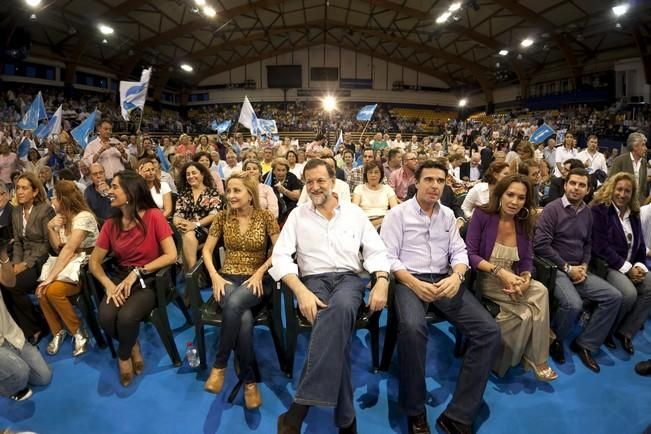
[[495, 271], [4, 262], [142, 281], [382, 276]]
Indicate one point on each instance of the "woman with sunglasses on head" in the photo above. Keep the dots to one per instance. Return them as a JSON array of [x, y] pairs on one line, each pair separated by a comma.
[[617, 238]]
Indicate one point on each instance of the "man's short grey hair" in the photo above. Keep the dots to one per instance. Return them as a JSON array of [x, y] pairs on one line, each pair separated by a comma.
[[633, 138]]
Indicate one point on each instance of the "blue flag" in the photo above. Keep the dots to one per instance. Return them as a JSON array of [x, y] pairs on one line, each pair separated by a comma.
[[267, 127], [221, 127], [39, 130], [82, 132], [53, 126], [23, 148], [541, 134], [35, 113], [267, 179], [366, 113], [340, 141], [164, 162]]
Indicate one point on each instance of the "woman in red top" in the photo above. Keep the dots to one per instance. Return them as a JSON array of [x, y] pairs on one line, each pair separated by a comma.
[[141, 240]]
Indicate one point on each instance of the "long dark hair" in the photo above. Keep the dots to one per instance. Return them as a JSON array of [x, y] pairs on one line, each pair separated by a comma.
[[183, 182], [525, 219], [138, 198]]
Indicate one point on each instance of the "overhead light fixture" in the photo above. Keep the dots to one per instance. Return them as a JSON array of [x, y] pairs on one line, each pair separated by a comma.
[[104, 41], [209, 11], [33, 3], [186, 67], [463, 102], [454, 7], [105, 30], [620, 9], [527, 42], [443, 17], [200, 2], [504, 52], [329, 103]]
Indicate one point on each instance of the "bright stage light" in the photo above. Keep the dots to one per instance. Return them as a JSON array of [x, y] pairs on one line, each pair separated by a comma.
[[329, 103]]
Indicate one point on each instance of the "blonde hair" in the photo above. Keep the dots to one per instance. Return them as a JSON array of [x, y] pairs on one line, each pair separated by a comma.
[[605, 194], [251, 186]]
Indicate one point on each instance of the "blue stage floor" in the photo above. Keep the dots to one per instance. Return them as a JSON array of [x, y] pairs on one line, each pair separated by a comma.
[[86, 397]]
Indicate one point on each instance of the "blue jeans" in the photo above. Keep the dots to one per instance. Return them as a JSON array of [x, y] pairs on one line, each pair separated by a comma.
[[326, 378], [474, 321], [20, 368], [237, 324], [570, 305], [636, 302]]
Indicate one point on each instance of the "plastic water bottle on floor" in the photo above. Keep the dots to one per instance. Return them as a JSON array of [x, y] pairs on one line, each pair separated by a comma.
[[192, 355]]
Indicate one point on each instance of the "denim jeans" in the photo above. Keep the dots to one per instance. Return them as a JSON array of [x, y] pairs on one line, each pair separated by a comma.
[[636, 302], [474, 321], [237, 324], [19, 368], [326, 378], [570, 305]]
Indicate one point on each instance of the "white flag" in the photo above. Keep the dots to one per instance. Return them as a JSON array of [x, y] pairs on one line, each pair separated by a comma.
[[248, 117], [53, 126], [133, 94]]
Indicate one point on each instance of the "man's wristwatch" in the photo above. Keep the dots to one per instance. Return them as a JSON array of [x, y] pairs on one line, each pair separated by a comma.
[[461, 276], [381, 276], [567, 268]]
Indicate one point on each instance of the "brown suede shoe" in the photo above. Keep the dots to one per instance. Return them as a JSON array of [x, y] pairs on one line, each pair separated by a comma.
[[215, 381], [252, 397]]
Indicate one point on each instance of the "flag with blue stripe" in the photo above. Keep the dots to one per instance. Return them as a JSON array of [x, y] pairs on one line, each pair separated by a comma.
[[23, 148], [366, 113], [133, 94], [164, 162], [267, 179], [220, 170], [53, 126], [35, 113], [541, 134], [267, 126], [221, 127], [82, 132], [340, 141]]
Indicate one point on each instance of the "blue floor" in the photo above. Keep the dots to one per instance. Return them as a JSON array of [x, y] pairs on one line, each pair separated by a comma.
[[86, 397]]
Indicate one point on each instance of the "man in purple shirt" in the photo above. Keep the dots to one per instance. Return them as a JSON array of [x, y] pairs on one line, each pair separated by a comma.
[[423, 243], [564, 237]]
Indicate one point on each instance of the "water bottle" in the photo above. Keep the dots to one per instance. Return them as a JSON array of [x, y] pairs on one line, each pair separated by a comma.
[[192, 355]]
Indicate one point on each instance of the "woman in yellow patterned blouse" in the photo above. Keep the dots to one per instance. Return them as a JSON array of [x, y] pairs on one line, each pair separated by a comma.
[[246, 230]]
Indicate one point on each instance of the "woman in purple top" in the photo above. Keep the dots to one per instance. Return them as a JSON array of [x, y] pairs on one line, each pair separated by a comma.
[[617, 238], [500, 248]]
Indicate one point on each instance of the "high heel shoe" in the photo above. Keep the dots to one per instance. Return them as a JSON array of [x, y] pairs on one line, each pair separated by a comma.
[[137, 360], [126, 376], [80, 340], [542, 374], [55, 344]]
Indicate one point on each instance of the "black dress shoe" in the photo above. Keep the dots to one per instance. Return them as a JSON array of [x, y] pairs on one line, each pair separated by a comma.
[[350, 429], [450, 426], [285, 428], [556, 351], [418, 424], [627, 343], [609, 342], [585, 356], [643, 368]]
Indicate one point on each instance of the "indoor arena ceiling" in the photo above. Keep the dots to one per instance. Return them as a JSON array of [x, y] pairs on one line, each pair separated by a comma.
[[462, 51]]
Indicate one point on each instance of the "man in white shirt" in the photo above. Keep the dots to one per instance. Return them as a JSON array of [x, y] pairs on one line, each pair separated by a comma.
[[398, 143], [564, 153], [103, 150], [592, 158], [326, 236]]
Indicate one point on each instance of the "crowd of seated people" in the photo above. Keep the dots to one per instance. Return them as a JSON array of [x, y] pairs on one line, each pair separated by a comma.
[[405, 211]]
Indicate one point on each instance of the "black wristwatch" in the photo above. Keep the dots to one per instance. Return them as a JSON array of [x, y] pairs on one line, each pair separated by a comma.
[[381, 276]]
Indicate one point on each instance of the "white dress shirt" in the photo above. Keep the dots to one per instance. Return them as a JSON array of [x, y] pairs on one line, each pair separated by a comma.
[[597, 161], [562, 155], [478, 195], [341, 189], [327, 246]]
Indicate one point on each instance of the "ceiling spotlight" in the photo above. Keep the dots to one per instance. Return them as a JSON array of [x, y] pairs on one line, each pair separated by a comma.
[[104, 41], [32, 17], [209, 11], [620, 9], [519, 56], [200, 2], [186, 67], [194, 10], [454, 7], [463, 102], [526, 42], [618, 25], [504, 52], [329, 103], [33, 3], [443, 17], [497, 64], [105, 30]]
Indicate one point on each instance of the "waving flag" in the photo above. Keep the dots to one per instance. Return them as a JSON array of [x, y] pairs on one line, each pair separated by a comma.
[[542, 133], [53, 126], [267, 126], [366, 113], [23, 148], [248, 117], [221, 127], [133, 94], [340, 141], [82, 133], [164, 162], [35, 113]]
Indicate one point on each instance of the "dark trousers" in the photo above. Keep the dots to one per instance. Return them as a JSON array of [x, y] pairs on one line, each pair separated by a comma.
[[123, 323], [326, 378], [474, 321], [238, 318], [20, 306]]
